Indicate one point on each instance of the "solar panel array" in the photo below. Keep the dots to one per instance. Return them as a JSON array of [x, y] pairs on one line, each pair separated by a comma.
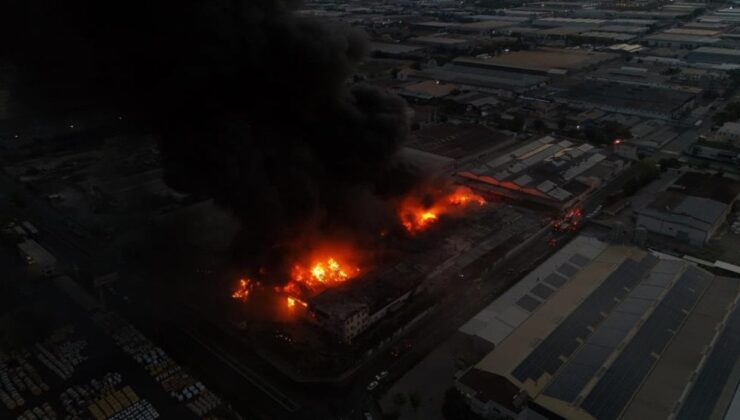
[[555, 280], [624, 376], [528, 303], [541, 291], [569, 383], [579, 260], [709, 384], [563, 340]]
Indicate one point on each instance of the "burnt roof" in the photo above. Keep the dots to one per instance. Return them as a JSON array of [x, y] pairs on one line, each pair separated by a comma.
[[375, 289]]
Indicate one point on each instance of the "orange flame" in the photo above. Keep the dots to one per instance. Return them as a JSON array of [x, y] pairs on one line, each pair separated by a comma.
[[321, 274], [326, 265], [292, 301], [243, 288], [415, 216]]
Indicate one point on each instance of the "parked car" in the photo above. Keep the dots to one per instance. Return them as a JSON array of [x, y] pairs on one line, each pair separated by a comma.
[[381, 375]]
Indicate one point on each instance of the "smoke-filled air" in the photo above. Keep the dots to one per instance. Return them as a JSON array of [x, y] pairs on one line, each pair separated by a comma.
[[251, 105]]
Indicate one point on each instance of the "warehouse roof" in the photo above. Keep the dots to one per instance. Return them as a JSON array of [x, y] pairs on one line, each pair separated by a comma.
[[624, 332]]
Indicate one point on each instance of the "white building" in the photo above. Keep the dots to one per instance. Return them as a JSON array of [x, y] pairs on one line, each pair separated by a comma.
[[691, 209], [729, 132]]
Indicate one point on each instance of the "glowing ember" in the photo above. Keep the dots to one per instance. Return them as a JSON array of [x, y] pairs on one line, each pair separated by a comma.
[[415, 216], [322, 273], [463, 196], [242, 291], [293, 301]]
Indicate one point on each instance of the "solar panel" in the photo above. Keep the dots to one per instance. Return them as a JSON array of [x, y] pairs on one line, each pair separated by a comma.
[[708, 386], [579, 260], [541, 291], [569, 383], [528, 303], [607, 337], [563, 340], [659, 279], [624, 376], [568, 270], [633, 305], [556, 280], [644, 291]]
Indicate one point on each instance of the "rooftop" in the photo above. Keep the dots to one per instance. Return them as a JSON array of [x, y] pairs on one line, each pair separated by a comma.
[[458, 141], [393, 49], [715, 50], [619, 331], [621, 96], [488, 78], [689, 39], [542, 60], [718, 188], [545, 168]]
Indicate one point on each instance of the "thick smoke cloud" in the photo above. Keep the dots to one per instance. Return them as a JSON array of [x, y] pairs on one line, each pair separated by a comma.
[[251, 103]]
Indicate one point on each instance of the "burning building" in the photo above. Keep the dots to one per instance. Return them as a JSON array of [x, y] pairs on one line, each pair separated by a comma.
[[345, 290], [348, 310]]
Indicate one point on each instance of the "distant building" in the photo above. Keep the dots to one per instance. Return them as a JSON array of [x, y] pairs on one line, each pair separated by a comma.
[[716, 150], [396, 49], [458, 144], [680, 40], [427, 90], [549, 172], [712, 55], [643, 101], [542, 61], [730, 133], [611, 332], [499, 82], [41, 262], [691, 209]]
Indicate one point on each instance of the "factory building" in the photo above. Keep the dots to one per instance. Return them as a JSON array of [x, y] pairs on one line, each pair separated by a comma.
[[456, 144], [542, 61], [668, 40], [500, 82], [549, 172], [730, 133], [41, 263], [348, 310], [710, 55], [691, 209], [608, 332], [642, 101]]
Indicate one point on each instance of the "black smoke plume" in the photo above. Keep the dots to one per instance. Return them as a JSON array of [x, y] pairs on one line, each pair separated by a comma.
[[250, 102]]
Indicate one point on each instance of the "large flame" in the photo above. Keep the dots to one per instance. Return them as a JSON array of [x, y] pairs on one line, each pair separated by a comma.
[[315, 272], [416, 216], [320, 274], [329, 264]]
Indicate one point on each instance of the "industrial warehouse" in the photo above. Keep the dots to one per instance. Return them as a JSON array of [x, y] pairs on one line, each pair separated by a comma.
[[613, 332], [546, 171], [370, 210]]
